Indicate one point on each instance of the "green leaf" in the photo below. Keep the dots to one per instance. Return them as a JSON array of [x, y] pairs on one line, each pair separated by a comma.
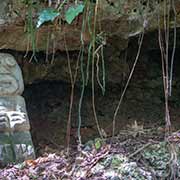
[[98, 143], [73, 12], [47, 15]]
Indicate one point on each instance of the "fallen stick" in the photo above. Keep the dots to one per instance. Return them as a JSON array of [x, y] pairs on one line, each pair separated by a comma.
[[139, 150]]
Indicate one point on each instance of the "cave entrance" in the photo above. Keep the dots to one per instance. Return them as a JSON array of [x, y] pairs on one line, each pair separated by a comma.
[[48, 97]]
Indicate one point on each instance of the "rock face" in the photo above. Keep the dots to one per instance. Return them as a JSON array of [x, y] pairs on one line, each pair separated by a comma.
[[4, 11], [119, 18], [15, 138]]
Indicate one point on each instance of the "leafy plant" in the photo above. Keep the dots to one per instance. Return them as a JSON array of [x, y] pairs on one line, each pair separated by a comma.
[[73, 12], [46, 15], [98, 143]]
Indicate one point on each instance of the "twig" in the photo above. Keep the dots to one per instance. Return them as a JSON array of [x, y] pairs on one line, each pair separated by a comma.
[[139, 150]]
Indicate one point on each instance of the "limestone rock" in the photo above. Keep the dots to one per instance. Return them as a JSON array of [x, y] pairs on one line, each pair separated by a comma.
[[4, 11], [15, 147], [120, 18], [15, 139], [13, 115], [11, 82]]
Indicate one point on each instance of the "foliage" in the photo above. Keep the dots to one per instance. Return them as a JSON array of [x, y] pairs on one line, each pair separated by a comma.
[[98, 143], [73, 12], [158, 157], [46, 15]]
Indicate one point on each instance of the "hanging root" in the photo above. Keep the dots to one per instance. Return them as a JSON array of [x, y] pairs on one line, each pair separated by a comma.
[[102, 85], [167, 80], [127, 83], [73, 81], [174, 49], [93, 64], [82, 95]]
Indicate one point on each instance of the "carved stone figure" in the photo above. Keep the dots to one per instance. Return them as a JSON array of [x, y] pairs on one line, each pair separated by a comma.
[[15, 139]]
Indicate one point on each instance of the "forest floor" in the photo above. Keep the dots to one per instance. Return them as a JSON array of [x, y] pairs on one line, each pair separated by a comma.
[[136, 153]]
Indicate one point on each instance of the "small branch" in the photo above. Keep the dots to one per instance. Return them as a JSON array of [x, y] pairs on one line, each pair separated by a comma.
[[139, 150]]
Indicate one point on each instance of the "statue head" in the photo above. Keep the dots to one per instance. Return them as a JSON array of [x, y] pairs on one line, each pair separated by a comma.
[[11, 81]]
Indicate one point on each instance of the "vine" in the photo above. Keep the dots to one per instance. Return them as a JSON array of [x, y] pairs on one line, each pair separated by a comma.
[[167, 77], [30, 28]]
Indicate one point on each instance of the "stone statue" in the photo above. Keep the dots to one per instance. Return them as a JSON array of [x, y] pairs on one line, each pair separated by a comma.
[[15, 139]]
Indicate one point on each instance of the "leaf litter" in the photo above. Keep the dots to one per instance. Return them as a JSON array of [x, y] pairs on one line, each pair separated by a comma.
[[111, 159]]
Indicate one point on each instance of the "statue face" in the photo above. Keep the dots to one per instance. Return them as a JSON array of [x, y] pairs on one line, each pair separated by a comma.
[[11, 82]]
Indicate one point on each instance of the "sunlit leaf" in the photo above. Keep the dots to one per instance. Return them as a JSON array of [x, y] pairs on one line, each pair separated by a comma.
[[73, 12], [47, 15], [98, 143]]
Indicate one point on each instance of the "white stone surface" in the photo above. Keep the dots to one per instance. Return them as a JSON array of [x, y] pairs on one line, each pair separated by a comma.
[[15, 138], [11, 81], [13, 115]]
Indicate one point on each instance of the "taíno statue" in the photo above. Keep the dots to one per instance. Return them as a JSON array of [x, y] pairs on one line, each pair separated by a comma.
[[15, 138]]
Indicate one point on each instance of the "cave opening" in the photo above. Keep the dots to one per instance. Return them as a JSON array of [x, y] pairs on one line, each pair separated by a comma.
[[47, 94]]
